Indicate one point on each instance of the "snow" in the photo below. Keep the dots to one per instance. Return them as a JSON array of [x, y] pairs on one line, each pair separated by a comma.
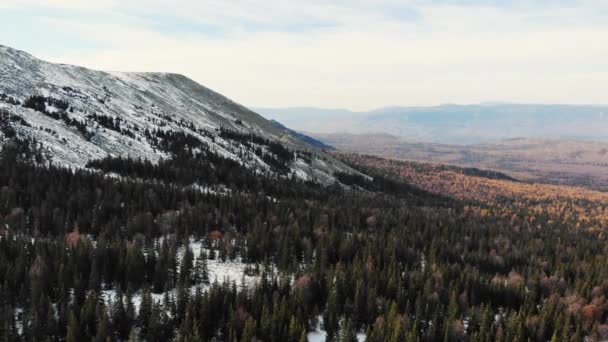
[[18, 321], [222, 271], [218, 190], [153, 101], [500, 316], [229, 271], [319, 334], [300, 169]]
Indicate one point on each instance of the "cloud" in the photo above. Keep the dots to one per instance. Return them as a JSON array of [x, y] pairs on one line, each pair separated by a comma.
[[338, 53]]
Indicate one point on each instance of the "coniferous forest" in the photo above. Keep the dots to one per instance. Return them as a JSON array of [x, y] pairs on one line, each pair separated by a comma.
[[129, 250]]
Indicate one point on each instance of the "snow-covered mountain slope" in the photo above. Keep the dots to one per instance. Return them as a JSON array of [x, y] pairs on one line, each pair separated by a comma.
[[78, 114]]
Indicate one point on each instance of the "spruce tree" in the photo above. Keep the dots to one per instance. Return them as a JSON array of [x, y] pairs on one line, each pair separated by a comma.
[[74, 334]]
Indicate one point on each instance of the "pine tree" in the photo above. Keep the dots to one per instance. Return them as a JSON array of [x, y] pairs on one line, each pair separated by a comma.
[[412, 334], [249, 330], [452, 314], [121, 321], [145, 311], [202, 268], [134, 336], [347, 331], [294, 331], [74, 334], [186, 266], [103, 328]]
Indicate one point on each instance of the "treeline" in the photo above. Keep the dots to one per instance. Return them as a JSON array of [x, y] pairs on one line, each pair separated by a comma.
[[272, 152], [247, 139], [57, 109], [381, 182], [9, 99], [208, 169], [114, 124], [6, 118]]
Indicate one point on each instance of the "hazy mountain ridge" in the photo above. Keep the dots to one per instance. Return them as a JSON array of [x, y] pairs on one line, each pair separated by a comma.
[[456, 124], [81, 114]]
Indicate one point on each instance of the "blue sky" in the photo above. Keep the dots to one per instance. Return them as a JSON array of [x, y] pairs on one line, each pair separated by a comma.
[[356, 54]]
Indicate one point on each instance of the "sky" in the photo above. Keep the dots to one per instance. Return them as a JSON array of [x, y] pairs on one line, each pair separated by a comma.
[[353, 54]]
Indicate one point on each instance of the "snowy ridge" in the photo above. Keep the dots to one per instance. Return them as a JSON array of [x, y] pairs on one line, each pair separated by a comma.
[[140, 102]]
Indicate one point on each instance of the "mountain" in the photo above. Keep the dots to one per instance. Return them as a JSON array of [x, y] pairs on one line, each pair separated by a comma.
[[171, 213], [306, 138], [456, 124], [79, 115]]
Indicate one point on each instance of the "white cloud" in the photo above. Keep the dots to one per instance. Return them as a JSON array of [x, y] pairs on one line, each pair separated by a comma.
[[369, 55]]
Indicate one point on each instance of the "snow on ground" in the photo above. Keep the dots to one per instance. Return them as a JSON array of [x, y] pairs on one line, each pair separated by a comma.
[[218, 189], [142, 101], [222, 271], [18, 321], [319, 334], [301, 169], [229, 271]]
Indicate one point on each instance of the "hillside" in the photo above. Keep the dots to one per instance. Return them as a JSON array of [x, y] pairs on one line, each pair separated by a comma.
[[135, 251], [568, 162], [306, 138], [575, 207], [79, 115]]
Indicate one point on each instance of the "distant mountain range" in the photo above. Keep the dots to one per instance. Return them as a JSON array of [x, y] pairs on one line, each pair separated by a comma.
[[455, 124]]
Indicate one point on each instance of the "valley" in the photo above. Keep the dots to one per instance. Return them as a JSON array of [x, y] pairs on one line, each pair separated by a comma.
[[567, 162]]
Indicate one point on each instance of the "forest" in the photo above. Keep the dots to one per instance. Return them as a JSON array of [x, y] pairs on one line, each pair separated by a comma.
[[127, 250]]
